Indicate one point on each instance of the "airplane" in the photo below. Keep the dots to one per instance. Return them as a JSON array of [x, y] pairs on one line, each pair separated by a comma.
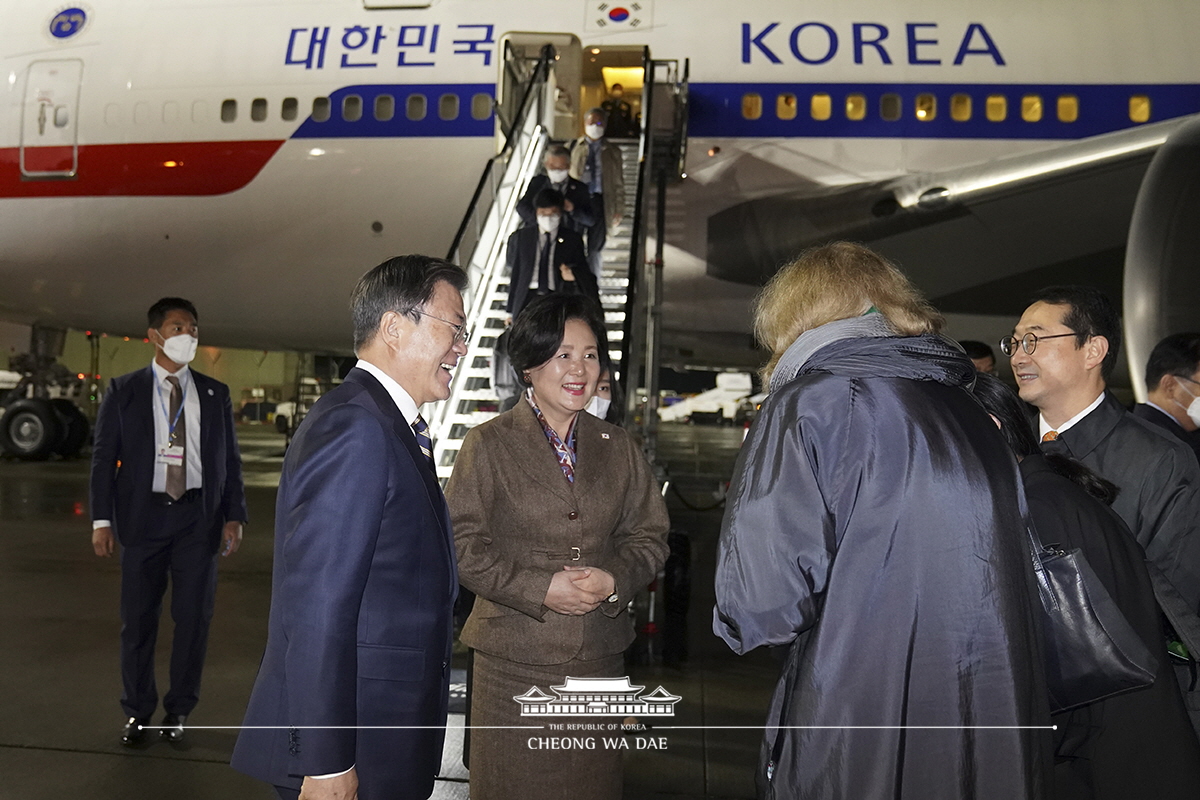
[[256, 156]]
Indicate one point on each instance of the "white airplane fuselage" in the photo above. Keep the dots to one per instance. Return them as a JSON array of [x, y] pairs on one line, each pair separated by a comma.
[[257, 157]]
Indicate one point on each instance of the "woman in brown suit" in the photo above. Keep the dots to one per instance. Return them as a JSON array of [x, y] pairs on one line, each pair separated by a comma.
[[557, 522]]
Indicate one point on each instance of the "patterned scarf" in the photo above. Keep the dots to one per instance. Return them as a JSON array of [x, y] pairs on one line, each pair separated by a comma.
[[563, 451]]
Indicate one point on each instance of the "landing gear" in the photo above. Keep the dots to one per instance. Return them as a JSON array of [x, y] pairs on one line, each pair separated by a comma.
[[30, 429], [34, 425]]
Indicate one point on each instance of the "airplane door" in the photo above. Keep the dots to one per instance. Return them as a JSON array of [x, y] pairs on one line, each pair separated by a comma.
[[49, 119]]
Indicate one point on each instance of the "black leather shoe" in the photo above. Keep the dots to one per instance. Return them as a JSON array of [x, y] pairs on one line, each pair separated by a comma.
[[134, 731], [172, 727]]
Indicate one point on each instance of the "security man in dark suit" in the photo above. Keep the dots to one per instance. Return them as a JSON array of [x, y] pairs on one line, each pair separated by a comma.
[[577, 200], [1173, 385], [166, 483], [548, 258], [351, 697]]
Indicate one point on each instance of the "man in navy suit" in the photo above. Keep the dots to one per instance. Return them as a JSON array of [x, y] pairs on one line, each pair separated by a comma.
[[167, 484], [547, 258], [352, 691]]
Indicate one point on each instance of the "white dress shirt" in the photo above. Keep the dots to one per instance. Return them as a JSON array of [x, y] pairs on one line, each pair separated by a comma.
[[1044, 427], [403, 400]]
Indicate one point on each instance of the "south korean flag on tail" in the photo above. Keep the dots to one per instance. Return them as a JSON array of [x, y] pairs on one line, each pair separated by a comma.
[[619, 16]]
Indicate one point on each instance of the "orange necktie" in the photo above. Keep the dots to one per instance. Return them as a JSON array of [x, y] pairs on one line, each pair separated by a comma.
[[1050, 436]]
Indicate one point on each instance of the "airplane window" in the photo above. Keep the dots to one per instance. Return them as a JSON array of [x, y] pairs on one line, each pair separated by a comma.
[[352, 108], [448, 106], [415, 109], [1068, 108], [385, 107], [821, 106], [856, 106], [199, 111], [229, 111], [997, 108], [481, 106], [1031, 108], [62, 117], [926, 107], [751, 105], [112, 114], [960, 107], [258, 109], [1139, 108], [290, 109], [320, 112], [141, 113], [889, 107], [170, 112], [785, 106]]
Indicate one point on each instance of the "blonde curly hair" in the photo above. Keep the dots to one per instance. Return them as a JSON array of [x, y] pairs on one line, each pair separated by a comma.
[[836, 281]]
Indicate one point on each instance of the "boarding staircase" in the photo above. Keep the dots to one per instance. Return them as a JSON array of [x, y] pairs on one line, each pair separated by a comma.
[[479, 247]]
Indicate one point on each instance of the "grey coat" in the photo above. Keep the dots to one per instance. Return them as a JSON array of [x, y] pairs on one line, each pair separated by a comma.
[[875, 525]]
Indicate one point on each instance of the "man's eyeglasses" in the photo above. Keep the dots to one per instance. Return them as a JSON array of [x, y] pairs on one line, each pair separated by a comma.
[[1028, 342], [461, 333]]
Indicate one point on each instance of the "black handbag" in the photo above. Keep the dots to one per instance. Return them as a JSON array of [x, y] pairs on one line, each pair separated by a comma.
[[1091, 650]]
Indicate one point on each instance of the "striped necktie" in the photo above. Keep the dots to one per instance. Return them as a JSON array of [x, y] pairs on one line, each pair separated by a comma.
[[421, 431], [176, 484]]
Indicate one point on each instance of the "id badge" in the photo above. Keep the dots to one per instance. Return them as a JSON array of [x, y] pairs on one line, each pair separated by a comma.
[[171, 456]]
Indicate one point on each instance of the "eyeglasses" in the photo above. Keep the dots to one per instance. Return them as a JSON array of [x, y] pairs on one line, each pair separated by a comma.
[[1028, 342], [461, 333]]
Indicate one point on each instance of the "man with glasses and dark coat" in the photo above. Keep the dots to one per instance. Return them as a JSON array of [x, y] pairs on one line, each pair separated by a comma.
[[1063, 350]]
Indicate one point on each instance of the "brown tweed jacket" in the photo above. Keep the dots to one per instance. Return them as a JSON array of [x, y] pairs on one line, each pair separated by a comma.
[[517, 521]]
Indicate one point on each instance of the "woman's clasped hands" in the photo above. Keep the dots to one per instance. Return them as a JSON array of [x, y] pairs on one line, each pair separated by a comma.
[[577, 590]]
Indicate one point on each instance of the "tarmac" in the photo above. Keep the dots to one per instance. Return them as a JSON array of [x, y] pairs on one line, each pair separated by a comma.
[[60, 719]]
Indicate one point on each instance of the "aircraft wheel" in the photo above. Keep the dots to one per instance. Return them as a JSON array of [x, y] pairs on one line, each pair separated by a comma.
[[30, 429], [281, 424], [74, 427]]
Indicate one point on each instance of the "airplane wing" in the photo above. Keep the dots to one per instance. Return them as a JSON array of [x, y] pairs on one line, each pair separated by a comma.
[[976, 240]]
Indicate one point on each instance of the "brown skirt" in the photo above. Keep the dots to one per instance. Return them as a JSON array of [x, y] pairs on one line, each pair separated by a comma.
[[539, 764]]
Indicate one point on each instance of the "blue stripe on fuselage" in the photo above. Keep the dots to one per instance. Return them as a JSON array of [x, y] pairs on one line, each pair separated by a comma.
[[715, 110], [400, 126]]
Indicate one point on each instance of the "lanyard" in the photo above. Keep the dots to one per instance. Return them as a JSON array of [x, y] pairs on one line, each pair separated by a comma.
[[171, 423]]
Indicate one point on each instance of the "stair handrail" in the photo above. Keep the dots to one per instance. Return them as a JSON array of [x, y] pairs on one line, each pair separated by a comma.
[[540, 73]]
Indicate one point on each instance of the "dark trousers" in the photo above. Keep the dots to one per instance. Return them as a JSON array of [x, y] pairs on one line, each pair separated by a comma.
[[177, 547], [597, 234]]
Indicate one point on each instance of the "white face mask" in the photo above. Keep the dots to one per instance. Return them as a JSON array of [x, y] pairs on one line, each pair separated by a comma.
[[598, 406], [1192, 409], [594, 131], [180, 348], [556, 175], [548, 223]]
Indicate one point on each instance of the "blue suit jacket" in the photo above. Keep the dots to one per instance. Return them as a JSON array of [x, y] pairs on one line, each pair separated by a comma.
[[123, 456], [361, 605]]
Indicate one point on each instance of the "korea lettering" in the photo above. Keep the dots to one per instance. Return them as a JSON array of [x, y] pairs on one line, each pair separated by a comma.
[[360, 45]]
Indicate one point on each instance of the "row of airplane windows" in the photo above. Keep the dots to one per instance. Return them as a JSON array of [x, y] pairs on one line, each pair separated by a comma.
[[925, 107], [416, 108]]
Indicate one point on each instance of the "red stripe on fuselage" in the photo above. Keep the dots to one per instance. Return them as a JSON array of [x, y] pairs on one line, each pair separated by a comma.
[[143, 170]]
